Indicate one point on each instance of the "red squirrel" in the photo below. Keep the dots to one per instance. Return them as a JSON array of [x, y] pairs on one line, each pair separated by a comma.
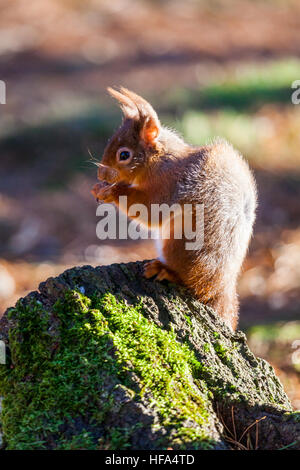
[[151, 164]]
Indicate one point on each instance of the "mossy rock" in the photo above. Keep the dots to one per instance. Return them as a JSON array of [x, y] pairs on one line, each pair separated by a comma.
[[101, 358]]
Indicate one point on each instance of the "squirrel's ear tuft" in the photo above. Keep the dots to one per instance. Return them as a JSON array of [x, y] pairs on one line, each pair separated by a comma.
[[150, 123], [128, 107], [135, 107]]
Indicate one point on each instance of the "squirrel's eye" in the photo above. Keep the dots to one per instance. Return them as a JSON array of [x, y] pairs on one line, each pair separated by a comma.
[[124, 154]]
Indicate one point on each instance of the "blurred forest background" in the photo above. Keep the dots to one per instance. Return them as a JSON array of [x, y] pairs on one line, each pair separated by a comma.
[[210, 68]]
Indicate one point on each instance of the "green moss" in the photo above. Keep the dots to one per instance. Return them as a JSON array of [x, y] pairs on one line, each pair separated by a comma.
[[117, 438], [67, 368], [222, 351], [164, 366], [52, 379], [82, 441], [188, 320]]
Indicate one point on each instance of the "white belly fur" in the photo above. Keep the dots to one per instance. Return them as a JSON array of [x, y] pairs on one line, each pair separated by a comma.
[[159, 249]]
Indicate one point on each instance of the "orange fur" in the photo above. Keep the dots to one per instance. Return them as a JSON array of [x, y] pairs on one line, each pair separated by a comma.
[[164, 169]]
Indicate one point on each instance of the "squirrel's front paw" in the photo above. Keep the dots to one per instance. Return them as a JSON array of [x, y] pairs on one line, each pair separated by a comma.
[[108, 192], [103, 192]]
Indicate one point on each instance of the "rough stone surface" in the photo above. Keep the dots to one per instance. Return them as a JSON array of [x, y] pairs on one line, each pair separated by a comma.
[[222, 395]]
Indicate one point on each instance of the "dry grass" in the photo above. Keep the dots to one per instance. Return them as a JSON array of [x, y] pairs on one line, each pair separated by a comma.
[[244, 441]]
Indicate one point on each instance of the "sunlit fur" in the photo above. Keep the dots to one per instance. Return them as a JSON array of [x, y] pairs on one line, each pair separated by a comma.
[[165, 169]]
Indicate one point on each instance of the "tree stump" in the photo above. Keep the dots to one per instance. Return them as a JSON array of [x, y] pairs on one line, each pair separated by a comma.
[[102, 358]]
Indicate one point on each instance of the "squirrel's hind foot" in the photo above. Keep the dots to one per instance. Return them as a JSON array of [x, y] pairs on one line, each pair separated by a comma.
[[160, 270]]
